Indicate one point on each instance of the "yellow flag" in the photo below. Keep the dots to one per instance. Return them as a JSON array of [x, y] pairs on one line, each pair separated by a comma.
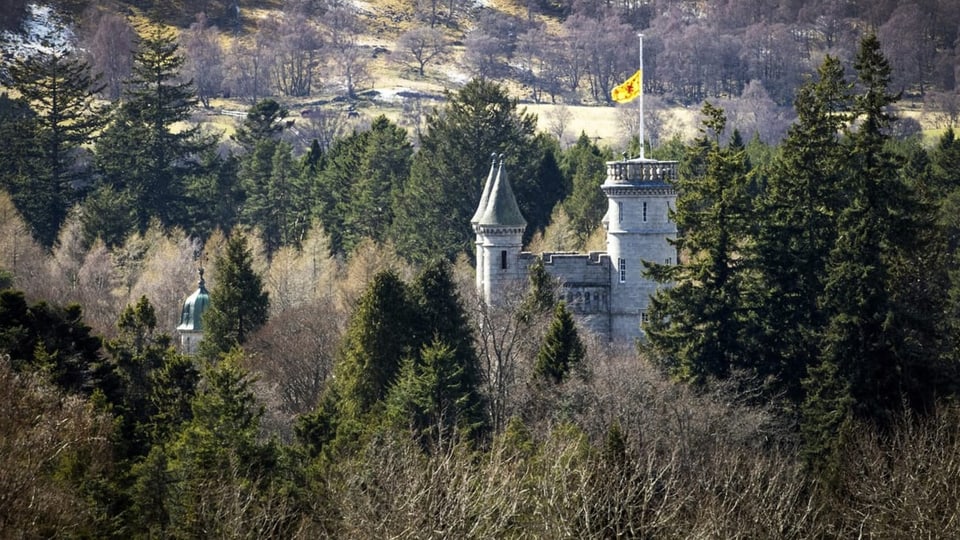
[[629, 89]]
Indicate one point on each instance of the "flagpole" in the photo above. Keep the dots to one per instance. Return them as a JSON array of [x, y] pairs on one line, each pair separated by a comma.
[[641, 96]]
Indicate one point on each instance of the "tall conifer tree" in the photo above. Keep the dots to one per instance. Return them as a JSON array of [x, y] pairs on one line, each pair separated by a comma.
[[798, 209], [141, 151], [870, 335], [59, 88], [238, 303], [698, 327]]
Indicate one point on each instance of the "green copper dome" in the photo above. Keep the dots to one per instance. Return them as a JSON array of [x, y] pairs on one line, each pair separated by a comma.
[[193, 307]]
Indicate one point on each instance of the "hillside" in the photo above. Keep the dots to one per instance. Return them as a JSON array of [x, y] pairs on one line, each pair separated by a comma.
[[558, 59]]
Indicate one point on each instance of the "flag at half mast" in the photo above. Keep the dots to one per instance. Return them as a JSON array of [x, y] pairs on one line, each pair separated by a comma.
[[629, 89]]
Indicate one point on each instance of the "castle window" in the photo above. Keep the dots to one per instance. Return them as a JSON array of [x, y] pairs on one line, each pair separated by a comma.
[[622, 264], [668, 260], [644, 318], [619, 211], [503, 259], [644, 211]]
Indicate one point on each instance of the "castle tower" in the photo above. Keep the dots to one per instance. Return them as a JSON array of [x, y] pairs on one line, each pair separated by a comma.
[[640, 194], [191, 317], [499, 227]]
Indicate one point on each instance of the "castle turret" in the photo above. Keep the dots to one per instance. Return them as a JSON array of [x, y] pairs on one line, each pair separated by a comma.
[[499, 226], [640, 195], [191, 317]]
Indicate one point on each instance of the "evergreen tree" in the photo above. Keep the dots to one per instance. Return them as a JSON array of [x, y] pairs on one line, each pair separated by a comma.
[[334, 181], [263, 122], [214, 196], [141, 151], [55, 342], [444, 332], [384, 166], [143, 359], [561, 350], [698, 327], [870, 335], [60, 90], [379, 336], [437, 398], [238, 303], [275, 203], [799, 206], [585, 165], [218, 450], [433, 213]]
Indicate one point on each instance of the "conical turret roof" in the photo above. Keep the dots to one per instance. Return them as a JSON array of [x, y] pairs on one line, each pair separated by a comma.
[[502, 209], [487, 187]]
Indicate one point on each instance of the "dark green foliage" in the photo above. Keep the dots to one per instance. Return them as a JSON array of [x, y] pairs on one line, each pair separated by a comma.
[[141, 152], [214, 196], [147, 403], [359, 183], [799, 206], [263, 122], [434, 211], [58, 87], [698, 328], [238, 303], [108, 214], [561, 350], [542, 294], [55, 342], [825, 411], [436, 396], [277, 202], [382, 169], [585, 164], [446, 361], [871, 335], [379, 336]]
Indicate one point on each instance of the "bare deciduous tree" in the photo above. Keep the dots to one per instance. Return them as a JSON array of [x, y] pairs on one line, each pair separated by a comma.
[[249, 67], [422, 44], [201, 44], [349, 60], [294, 43], [109, 43]]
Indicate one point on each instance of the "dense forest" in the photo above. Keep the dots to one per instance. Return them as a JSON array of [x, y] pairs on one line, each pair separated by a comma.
[[798, 376]]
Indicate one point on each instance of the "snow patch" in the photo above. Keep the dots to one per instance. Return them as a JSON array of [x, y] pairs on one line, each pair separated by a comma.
[[44, 31]]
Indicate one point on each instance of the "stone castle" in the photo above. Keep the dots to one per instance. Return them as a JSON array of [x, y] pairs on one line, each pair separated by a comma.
[[607, 291]]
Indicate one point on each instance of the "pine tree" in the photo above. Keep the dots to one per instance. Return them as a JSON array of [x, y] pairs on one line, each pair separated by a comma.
[[263, 122], [434, 210], [585, 164], [141, 151], [383, 167], [379, 336], [60, 89], [562, 350], [799, 206], [698, 327], [870, 336], [444, 332], [334, 184], [238, 303]]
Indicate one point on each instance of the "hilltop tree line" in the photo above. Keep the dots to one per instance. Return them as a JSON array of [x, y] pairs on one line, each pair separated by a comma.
[[570, 52], [798, 374]]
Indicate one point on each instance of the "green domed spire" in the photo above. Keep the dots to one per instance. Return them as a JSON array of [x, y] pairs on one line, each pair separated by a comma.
[[193, 307]]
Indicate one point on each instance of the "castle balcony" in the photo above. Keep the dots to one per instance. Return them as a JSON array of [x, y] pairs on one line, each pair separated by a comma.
[[641, 171]]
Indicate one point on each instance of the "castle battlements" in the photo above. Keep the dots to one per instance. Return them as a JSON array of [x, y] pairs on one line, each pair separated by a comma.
[[607, 291]]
